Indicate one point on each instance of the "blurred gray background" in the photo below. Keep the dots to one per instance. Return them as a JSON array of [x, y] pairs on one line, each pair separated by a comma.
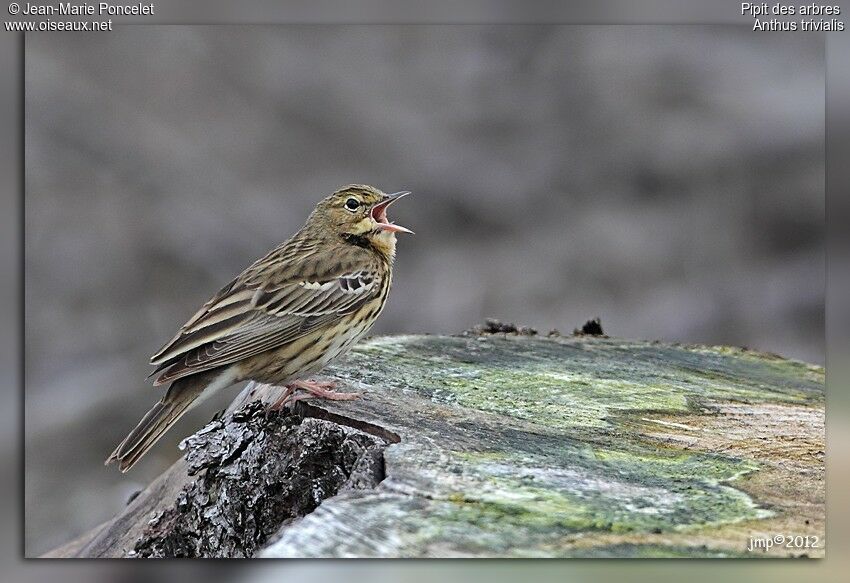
[[667, 179]]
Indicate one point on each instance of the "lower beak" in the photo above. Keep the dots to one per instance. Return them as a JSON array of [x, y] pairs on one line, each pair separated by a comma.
[[379, 214]]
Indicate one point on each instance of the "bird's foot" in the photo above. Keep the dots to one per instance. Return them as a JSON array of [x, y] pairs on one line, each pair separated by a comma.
[[285, 398], [321, 390], [312, 389]]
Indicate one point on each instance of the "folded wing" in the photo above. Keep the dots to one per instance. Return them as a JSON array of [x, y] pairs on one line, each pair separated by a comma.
[[247, 317]]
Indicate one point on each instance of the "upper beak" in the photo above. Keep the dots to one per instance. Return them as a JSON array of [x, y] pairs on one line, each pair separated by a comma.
[[379, 214]]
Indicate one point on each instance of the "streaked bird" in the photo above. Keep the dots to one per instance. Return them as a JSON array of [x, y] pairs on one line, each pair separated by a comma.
[[285, 317]]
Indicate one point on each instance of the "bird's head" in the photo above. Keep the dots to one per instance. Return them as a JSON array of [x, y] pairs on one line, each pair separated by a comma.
[[359, 211]]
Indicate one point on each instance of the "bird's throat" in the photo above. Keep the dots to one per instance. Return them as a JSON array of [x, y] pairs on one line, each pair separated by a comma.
[[382, 242]]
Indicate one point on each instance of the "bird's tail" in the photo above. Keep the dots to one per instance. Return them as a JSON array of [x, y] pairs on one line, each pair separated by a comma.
[[176, 401]]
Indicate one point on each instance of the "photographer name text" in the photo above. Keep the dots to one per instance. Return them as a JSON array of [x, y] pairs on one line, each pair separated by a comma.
[[99, 9]]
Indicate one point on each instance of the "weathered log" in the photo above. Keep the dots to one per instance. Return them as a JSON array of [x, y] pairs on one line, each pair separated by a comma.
[[502, 444]]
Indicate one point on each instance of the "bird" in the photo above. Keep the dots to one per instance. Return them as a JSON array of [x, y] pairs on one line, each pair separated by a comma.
[[284, 318]]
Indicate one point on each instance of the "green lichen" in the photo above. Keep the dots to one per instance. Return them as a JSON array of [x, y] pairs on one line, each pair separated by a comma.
[[555, 398], [606, 491], [571, 384], [517, 446]]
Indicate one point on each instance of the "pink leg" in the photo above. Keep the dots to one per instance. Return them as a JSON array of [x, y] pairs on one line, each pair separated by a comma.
[[285, 397], [321, 390]]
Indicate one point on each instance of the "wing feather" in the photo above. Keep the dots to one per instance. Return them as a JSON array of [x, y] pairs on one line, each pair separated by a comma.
[[245, 318]]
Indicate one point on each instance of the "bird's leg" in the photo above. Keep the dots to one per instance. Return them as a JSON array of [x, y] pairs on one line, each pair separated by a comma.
[[322, 390], [285, 397]]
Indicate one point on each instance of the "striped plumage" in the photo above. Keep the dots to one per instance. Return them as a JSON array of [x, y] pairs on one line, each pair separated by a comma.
[[285, 317]]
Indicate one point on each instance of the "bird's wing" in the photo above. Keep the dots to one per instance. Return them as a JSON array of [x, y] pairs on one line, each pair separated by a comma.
[[272, 303]]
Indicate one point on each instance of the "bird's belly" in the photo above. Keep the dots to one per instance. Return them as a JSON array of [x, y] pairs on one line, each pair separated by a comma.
[[307, 355]]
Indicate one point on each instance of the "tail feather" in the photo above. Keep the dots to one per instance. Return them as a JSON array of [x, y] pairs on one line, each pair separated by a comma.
[[181, 394]]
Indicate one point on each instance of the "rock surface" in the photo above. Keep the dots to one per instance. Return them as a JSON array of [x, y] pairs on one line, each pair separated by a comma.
[[508, 445]]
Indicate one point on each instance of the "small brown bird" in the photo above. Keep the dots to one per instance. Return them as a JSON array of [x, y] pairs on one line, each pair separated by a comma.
[[285, 317]]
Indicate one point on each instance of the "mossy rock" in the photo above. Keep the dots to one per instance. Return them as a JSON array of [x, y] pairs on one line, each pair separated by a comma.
[[511, 445], [502, 445]]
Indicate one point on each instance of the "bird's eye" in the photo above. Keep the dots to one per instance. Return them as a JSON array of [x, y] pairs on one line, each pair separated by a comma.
[[352, 204]]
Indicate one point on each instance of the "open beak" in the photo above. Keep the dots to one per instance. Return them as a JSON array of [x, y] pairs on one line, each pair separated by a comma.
[[379, 214]]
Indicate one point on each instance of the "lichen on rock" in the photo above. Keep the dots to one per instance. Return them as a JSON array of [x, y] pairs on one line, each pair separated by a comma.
[[501, 444], [526, 446]]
